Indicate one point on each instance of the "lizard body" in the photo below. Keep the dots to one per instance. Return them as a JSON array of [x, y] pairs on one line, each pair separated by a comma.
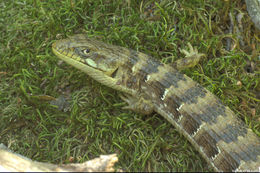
[[149, 85]]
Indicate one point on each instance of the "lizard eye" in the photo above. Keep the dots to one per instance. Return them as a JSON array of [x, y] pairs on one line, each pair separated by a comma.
[[86, 51]]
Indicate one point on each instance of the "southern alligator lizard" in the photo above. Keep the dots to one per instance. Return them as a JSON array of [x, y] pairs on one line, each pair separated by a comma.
[[149, 85]]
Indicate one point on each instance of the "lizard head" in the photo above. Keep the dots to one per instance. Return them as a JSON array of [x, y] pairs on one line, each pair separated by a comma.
[[89, 52], [99, 60]]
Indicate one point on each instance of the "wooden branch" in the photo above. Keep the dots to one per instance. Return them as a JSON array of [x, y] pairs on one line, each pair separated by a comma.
[[10, 161]]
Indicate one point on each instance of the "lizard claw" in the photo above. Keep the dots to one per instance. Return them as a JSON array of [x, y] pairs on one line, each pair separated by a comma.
[[193, 52], [128, 99]]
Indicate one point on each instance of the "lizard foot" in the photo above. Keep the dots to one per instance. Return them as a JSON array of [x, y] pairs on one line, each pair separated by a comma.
[[137, 104], [192, 58]]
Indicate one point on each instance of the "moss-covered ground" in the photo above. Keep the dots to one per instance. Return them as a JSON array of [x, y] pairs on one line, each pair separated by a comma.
[[89, 120]]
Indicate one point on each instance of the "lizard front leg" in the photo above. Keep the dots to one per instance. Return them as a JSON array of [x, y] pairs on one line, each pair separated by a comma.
[[137, 104]]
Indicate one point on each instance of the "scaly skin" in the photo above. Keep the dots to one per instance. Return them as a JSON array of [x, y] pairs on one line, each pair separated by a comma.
[[148, 85]]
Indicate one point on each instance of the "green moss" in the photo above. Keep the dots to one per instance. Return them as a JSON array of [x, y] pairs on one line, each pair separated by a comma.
[[92, 122]]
